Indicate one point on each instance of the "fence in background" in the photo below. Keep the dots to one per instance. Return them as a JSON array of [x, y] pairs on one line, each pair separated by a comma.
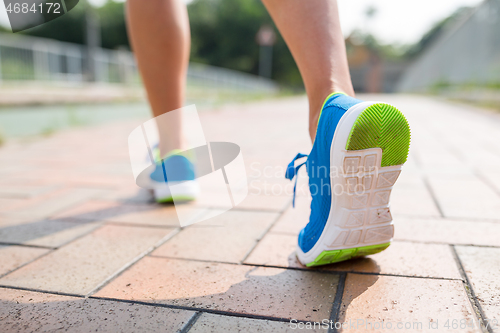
[[24, 58]]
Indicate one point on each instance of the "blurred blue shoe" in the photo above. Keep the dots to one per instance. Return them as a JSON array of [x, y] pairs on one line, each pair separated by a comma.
[[355, 160], [174, 178]]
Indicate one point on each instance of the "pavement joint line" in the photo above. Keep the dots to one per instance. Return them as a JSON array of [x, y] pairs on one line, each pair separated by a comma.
[[405, 276], [433, 195], [125, 267], [28, 245], [246, 264], [27, 263], [416, 157], [337, 302], [258, 210], [124, 224], [284, 233], [72, 219], [448, 218], [402, 240], [99, 226], [63, 190], [170, 306], [261, 236], [305, 269], [53, 292], [426, 183], [455, 152], [481, 177], [470, 292], [443, 243], [290, 202], [257, 241], [202, 310], [79, 220], [56, 247], [138, 225], [190, 323]]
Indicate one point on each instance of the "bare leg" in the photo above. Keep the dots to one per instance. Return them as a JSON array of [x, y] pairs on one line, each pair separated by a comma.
[[311, 29], [159, 31], [160, 37]]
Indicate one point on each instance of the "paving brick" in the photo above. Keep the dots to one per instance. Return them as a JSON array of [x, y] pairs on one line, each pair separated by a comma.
[[242, 289], [408, 258], [401, 258], [26, 311], [481, 266], [294, 219], [410, 196], [211, 323], [377, 300], [276, 203], [450, 231], [10, 220], [142, 214], [438, 160], [131, 194], [6, 204], [43, 233], [45, 206], [465, 197], [492, 178], [277, 185], [234, 234], [11, 257], [84, 264], [275, 249], [25, 191]]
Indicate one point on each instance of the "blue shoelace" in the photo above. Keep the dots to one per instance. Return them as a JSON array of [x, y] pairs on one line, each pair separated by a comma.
[[292, 170]]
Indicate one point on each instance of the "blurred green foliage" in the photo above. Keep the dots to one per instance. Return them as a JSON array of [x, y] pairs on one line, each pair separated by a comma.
[[223, 34], [222, 31], [67, 28]]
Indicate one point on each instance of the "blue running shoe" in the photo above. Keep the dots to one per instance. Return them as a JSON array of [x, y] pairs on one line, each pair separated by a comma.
[[174, 178], [356, 158]]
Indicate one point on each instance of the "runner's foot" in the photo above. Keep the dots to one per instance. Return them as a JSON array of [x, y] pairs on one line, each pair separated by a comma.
[[355, 160]]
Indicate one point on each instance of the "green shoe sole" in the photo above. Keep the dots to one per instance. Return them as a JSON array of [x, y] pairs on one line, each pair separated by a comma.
[[382, 126], [331, 257]]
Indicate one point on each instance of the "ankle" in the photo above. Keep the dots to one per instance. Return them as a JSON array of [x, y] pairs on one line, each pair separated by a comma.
[[315, 107]]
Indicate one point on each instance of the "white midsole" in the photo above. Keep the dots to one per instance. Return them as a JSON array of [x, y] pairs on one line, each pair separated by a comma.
[[185, 189], [356, 219]]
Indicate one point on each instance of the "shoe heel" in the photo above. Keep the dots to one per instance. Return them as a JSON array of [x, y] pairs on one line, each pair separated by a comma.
[[382, 126]]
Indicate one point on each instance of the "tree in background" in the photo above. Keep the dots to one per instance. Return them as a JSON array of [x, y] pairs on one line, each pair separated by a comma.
[[223, 34]]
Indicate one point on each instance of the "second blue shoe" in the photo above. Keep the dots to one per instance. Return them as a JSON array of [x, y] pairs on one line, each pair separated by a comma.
[[174, 178]]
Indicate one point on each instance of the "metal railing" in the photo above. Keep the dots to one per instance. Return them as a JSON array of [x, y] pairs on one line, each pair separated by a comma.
[[25, 58]]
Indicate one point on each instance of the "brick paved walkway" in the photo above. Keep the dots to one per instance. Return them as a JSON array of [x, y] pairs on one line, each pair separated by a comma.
[[83, 249]]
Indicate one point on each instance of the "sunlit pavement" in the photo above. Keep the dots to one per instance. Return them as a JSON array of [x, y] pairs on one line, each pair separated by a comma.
[[84, 249]]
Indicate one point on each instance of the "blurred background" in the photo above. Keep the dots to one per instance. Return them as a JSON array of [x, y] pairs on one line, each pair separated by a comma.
[[50, 74]]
